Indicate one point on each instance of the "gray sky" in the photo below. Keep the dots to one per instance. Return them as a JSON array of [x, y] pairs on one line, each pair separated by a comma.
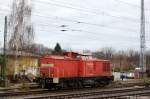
[[90, 24]]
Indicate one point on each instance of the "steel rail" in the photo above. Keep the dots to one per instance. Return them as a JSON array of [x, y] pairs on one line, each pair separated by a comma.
[[94, 94]]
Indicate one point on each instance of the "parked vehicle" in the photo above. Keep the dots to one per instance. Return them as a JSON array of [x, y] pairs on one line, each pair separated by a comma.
[[130, 76], [127, 75]]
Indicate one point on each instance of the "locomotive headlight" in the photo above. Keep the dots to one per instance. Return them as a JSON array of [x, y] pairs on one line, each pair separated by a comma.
[[55, 80]]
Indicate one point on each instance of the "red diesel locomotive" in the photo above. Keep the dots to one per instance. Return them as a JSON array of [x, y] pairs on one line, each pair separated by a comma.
[[73, 70]]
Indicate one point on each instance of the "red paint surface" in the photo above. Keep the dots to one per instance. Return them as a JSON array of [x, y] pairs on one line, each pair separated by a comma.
[[65, 66]]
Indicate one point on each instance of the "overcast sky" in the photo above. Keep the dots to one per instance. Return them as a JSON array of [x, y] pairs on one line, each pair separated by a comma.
[[89, 24]]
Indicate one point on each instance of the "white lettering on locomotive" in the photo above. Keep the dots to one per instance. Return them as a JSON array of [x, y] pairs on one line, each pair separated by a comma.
[[47, 65]]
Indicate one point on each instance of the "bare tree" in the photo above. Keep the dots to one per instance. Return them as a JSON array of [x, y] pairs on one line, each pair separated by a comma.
[[105, 53], [133, 58], [20, 28], [108, 52]]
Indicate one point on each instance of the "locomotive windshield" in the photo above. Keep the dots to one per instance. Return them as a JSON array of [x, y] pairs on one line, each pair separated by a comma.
[[84, 57]]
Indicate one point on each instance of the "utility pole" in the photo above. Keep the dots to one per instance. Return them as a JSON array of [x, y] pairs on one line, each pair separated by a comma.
[[4, 60], [142, 40]]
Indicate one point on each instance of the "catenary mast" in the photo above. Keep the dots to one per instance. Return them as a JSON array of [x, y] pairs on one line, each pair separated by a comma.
[[142, 39]]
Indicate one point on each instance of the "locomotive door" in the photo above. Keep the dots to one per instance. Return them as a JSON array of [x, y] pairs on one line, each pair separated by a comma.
[[90, 68]]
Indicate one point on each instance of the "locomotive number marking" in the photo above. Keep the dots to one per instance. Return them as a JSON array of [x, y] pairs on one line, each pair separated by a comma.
[[47, 65]]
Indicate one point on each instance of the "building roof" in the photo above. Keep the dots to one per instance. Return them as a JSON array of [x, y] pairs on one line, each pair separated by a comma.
[[19, 53]]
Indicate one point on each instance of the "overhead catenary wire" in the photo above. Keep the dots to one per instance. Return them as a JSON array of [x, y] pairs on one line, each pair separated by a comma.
[[97, 25], [79, 18], [58, 27], [130, 4], [69, 29], [86, 23], [91, 24], [117, 1], [91, 35], [133, 5], [80, 31], [81, 22], [95, 34], [88, 11], [91, 11]]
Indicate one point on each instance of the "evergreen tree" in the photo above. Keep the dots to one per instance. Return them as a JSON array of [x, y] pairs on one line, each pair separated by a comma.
[[57, 49]]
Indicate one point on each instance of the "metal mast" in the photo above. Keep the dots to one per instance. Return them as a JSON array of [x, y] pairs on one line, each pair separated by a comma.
[[142, 39], [4, 61]]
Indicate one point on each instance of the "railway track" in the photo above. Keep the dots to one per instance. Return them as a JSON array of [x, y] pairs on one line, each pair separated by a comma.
[[91, 94], [66, 94], [21, 93], [40, 92], [17, 91], [19, 87]]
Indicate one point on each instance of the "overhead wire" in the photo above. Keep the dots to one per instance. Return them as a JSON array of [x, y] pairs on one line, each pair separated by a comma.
[[81, 30], [117, 1], [133, 5], [82, 7], [75, 30], [87, 23], [130, 4], [95, 24], [102, 13], [91, 36], [88, 11]]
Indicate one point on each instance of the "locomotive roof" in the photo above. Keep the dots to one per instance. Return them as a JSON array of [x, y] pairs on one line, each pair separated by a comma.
[[82, 54], [57, 57], [66, 57]]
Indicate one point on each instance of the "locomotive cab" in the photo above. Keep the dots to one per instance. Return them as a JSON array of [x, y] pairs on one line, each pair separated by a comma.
[[74, 55]]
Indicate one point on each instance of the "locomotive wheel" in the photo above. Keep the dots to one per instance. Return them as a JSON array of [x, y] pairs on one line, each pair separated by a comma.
[[43, 84], [75, 85], [63, 85], [94, 85], [102, 84], [80, 85]]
